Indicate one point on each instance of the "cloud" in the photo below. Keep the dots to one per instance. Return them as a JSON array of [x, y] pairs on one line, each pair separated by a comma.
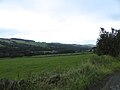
[[7, 32], [65, 21], [115, 17], [36, 22]]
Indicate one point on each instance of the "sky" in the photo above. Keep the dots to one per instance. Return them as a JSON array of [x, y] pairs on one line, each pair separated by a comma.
[[63, 21]]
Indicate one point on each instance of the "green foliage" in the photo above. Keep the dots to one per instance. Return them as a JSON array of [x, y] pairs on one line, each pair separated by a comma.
[[109, 42], [75, 72], [15, 47], [1, 45]]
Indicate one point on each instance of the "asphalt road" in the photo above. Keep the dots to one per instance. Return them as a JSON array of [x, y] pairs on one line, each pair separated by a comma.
[[113, 83]]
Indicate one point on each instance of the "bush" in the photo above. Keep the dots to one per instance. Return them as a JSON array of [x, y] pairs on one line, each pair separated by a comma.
[[109, 43]]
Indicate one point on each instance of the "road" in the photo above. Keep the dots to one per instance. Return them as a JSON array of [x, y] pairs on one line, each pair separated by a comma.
[[110, 82], [113, 83]]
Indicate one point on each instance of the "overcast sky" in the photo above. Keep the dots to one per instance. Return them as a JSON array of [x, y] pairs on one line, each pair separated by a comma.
[[64, 21]]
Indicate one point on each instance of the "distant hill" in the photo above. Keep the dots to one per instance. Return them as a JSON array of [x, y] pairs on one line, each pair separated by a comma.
[[22, 41], [21, 47], [90, 45]]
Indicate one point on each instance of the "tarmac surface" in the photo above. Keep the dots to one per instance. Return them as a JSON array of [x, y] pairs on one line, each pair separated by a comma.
[[113, 83], [110, 82]]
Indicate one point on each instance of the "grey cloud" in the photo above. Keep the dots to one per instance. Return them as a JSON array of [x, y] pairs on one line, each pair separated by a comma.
[[115, 17], [6, 32]]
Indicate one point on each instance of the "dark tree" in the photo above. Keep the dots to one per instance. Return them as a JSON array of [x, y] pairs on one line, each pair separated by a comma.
[[109, 42]]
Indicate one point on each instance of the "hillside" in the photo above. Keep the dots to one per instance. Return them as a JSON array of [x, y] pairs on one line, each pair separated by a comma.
[[21, 47]]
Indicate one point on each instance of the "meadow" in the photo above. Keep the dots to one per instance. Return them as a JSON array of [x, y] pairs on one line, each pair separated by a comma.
[[13, 67], [59, 72]]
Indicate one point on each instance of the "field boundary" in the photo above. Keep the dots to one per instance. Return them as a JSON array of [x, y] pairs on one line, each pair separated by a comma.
[[55, 55]]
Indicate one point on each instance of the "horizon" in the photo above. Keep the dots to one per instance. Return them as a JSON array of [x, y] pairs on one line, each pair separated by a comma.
[[61, 21]]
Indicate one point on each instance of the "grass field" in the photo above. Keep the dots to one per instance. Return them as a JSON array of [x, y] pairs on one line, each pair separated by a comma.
[[70, 72], [13, 67]]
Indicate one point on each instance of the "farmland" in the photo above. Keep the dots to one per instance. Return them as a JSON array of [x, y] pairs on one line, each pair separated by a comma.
[[65, 72], [12, 67]]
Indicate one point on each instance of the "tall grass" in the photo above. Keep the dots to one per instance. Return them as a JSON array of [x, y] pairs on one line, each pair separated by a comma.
[[80, 78]]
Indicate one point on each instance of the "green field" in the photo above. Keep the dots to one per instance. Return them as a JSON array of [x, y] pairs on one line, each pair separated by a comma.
[[70, 72], [13, 67]]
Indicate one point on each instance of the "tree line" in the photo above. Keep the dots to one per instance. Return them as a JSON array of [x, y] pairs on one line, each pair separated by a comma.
[[15, 49], [108, 43]]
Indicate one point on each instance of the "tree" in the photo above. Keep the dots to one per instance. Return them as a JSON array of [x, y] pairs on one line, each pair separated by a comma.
[[109, 42]]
